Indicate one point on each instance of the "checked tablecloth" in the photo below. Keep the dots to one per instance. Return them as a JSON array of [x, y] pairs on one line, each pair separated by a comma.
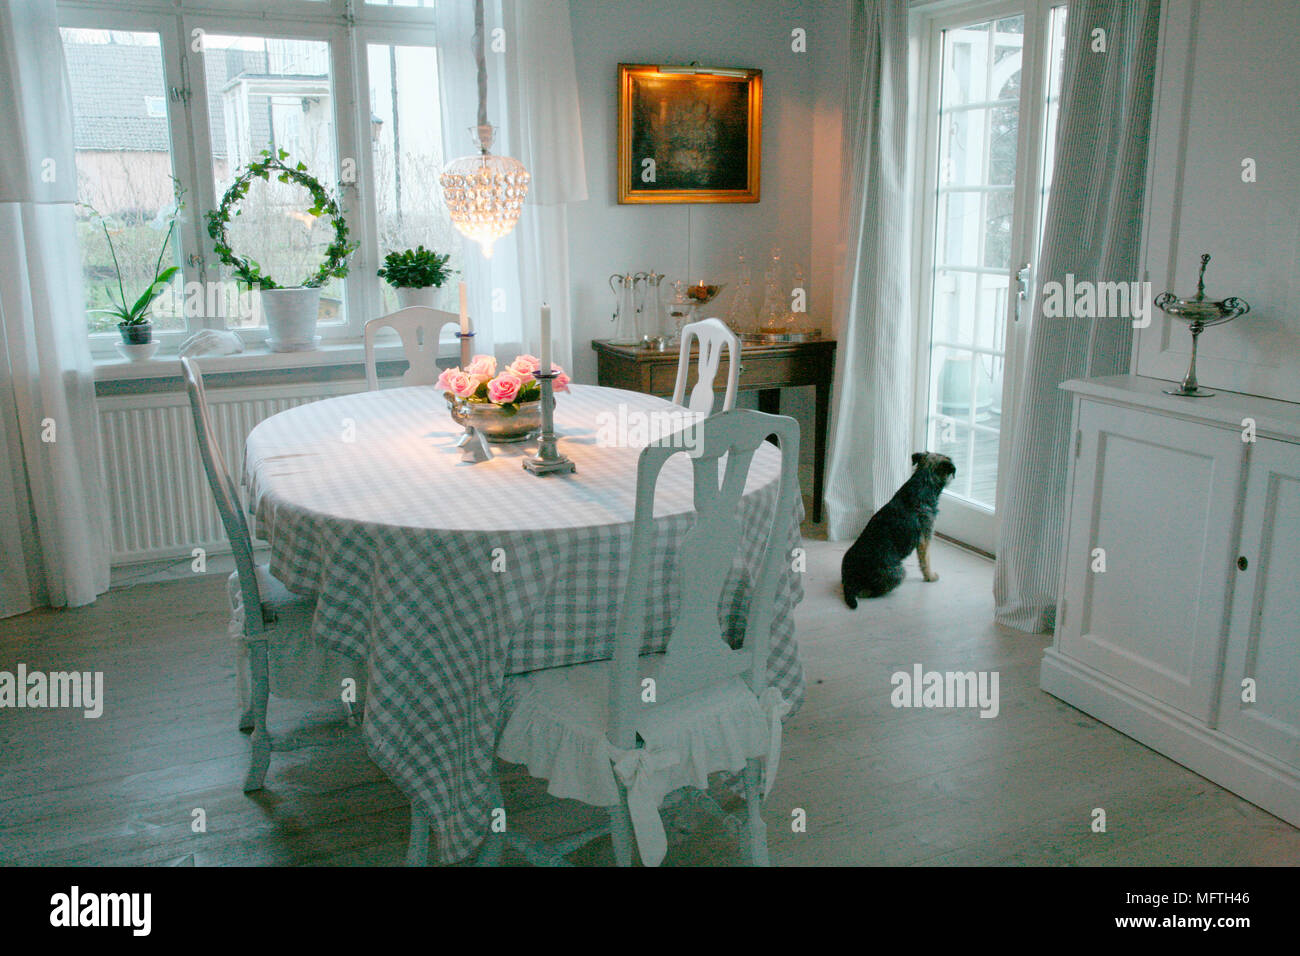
[[445, 577]]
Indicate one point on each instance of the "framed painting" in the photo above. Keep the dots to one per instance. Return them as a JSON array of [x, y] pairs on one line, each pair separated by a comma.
[[689, 134]]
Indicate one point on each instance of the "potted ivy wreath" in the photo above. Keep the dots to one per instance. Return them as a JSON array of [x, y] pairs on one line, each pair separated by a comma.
[[290, 311], [416, 275]]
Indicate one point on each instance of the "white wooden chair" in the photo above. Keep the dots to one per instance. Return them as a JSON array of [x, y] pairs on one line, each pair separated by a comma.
[[418, 327], [276, 652], [712, 335], [587, 729]]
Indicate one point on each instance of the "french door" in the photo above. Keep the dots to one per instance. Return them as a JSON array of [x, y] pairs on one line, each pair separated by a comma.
[[991, 73]]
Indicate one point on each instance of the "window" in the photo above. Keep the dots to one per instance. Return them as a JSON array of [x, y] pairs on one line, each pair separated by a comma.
[[124, 170], [272, 93], [406, 157], [994, 85], [349, 89]]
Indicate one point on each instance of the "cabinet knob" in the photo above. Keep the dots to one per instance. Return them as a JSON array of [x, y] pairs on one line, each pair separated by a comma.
[[1242, 563]]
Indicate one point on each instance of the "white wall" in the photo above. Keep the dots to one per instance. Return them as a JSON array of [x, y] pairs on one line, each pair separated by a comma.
[[1226, 90], [800, 94]]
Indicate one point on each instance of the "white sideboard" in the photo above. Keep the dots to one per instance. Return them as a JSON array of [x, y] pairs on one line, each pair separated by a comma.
[[1178, 622]]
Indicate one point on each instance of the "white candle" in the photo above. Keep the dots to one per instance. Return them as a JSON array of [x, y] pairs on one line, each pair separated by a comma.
[[464, 309], [545, 357]]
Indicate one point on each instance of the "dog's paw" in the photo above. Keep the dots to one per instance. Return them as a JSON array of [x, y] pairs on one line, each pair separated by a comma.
[[931, 577]]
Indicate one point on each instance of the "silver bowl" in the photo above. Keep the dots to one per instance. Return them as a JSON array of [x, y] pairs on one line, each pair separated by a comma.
[[496, 423]]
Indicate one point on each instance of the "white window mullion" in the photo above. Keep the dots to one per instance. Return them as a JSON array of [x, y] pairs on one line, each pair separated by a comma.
[[351, 108]]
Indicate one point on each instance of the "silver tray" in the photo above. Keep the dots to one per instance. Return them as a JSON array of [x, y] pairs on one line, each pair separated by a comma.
[[780, 338]]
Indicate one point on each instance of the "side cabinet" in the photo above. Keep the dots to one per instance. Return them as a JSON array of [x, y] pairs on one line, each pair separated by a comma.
[[1178, 619], [1150, 533], [1260, 703]]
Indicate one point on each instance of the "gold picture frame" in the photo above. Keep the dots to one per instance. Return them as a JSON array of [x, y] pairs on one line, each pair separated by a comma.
[[689, 134]]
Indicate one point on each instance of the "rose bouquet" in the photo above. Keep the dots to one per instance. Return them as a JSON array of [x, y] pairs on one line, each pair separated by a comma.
[[481, 383]]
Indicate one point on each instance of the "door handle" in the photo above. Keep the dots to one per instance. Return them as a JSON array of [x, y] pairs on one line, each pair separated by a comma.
[[1022, 287]]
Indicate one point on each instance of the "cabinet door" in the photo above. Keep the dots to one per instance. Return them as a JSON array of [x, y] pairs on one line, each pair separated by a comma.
[[1157, 495], [1264, 635]]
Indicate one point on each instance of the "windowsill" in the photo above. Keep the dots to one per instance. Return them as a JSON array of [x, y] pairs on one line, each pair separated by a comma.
[[256, 359]]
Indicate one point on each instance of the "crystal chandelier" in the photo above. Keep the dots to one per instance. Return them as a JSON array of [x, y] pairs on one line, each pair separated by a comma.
[[484, 193]]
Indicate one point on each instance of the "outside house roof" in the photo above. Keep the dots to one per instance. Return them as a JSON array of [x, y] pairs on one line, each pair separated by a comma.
[[112, 84]]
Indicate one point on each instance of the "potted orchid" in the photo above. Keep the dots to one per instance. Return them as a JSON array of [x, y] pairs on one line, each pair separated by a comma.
[[134, 320], [503, 404]]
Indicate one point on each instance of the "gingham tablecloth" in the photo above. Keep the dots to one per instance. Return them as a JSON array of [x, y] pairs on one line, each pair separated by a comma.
[[445, 576]]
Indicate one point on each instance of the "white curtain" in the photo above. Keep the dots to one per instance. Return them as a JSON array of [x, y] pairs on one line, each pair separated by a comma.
[[53, 541], [870, 453], [533, 102], [1093, 230]]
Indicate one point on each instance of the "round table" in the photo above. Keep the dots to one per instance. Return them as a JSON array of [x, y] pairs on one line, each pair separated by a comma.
[[445, 576]]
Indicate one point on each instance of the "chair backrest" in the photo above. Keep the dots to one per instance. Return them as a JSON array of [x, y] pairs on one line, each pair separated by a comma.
[[226, 493], [418, 327], [698, 655], [712, 334]]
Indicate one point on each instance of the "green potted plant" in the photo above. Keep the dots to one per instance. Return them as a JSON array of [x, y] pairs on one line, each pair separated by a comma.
[[291, 311], [416, 275], [133, 320]]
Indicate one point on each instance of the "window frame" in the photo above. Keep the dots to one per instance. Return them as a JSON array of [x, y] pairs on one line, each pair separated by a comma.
[[347, 27]]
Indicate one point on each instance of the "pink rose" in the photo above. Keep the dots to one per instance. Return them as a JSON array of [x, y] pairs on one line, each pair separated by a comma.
[[524, 366], [462, 384], [483, 366], [444, 380], [561, 381], [504, 389]]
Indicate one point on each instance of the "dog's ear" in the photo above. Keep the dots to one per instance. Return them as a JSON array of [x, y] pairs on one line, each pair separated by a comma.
[[916, 458]]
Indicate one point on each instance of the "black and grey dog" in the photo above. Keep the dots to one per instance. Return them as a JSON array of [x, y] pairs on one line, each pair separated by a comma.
[[874, 565]]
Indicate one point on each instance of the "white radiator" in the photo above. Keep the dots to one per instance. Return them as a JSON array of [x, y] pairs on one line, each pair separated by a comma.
[[159, 497]]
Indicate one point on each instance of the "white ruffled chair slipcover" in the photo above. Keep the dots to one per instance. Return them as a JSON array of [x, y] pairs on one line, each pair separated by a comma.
[[560, 731]]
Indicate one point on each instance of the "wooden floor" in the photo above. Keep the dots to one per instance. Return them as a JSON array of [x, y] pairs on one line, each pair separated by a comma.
[[878, 785]]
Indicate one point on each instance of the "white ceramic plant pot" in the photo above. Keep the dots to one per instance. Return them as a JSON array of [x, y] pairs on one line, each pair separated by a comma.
[[291, 318], [407, 297]]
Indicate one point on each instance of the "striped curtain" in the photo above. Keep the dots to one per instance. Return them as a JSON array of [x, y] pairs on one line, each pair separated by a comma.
[[870, 454], [1093, 230]]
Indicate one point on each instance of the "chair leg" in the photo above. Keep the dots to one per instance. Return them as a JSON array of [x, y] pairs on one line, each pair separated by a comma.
[[417, 850], [620, 831], [757, 837], [261, 740]]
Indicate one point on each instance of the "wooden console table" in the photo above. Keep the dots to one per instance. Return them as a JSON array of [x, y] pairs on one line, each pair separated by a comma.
[[763, 368]]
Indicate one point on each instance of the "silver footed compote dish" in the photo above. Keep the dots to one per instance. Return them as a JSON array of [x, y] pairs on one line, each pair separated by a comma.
[[498, 424], [1200, 313]]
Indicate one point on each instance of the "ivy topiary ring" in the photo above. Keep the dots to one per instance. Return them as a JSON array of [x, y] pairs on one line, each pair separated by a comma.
[[249, 271]]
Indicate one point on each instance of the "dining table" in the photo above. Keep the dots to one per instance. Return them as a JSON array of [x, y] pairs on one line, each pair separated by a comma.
[[447, 576]]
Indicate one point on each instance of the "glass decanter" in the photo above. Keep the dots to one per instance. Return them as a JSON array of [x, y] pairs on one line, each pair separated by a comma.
[[740, 313], [775, 305]]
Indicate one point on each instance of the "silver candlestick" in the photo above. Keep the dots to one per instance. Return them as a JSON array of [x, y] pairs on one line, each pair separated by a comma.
[[466, 347], [473, 446], [548, 461]]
